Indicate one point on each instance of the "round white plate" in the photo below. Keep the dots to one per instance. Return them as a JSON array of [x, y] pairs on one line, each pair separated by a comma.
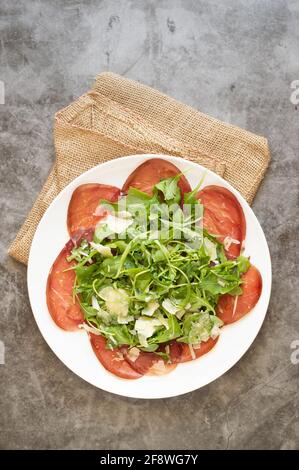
[[74, 349]]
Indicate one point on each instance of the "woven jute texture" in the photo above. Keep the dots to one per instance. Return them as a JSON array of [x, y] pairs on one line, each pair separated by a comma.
[[120, 117]]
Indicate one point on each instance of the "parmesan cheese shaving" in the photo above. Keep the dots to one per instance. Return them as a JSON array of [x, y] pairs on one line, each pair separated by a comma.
[[116, 224], [89, 329], [95, 303], [170, 307], [133, 354], [150, 309], [116, 300], [145, 328], [235, 305], [192, 351], [228, 241], [103, 250], [158, 368]]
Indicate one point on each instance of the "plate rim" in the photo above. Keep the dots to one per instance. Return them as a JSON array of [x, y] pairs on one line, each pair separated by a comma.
[[172, 159]]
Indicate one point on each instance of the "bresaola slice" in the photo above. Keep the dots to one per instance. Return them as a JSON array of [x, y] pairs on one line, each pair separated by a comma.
[[231, 308], [224, 217], [83, 215], [152, 172], [142, 361], [112, 360], [63, 307], [180, 352], [148, 363]]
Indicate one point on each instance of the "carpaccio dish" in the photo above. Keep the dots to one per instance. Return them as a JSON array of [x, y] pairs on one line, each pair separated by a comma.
[[149, 302]]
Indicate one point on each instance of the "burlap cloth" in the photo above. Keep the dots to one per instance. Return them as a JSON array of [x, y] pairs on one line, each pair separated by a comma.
[[120, 117]]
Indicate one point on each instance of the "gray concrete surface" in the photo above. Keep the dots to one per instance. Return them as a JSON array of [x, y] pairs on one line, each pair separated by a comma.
[[232, 59]]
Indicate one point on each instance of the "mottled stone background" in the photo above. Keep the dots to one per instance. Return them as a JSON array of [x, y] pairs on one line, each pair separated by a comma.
[[232, 59]]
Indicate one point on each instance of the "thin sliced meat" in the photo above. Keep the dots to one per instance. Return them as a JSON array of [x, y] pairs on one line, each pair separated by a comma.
[[224, 217], [151, 172], [112, 360], [64, 309], [232, 308], [148, 363], [175, 350], [180, 352], [81, 216]]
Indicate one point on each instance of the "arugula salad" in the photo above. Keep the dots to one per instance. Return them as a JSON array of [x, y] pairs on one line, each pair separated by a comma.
[[152, 274]]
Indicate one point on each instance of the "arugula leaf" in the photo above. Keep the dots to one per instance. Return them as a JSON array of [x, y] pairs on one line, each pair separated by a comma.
[[243, 264], [167, 334], [117, 335], [190, 198], [150, 347], [170, 189], [136, 198]]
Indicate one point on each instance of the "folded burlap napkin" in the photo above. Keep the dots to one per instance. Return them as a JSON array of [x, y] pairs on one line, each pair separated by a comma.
[[120, 117]]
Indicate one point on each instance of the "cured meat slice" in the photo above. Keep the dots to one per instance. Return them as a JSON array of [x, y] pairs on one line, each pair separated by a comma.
[[112, 360], [224, 217], [151, 172], [180, 352], [231, 308], [148, 363], [83, 215], [63, 307]]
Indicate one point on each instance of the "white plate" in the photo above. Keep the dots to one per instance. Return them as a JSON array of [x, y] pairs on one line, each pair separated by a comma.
[[74, 349]]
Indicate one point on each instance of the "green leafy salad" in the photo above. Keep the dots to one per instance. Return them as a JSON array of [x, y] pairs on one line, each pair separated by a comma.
[[152, 274]]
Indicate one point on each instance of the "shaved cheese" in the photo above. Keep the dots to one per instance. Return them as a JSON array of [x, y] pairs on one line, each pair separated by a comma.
[[95, 303], [101, 313], [210, 249], [170, 307], [235, 305], [163, 320], [102, 249], [116, 300], [133, 354], [150, 309], [145, 328], [228, 241], [221, 283], [83, 253], [215, 331], [89, 329], [192, 351], [115, 223], [196, 346], [180, 314], [158, 368]]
